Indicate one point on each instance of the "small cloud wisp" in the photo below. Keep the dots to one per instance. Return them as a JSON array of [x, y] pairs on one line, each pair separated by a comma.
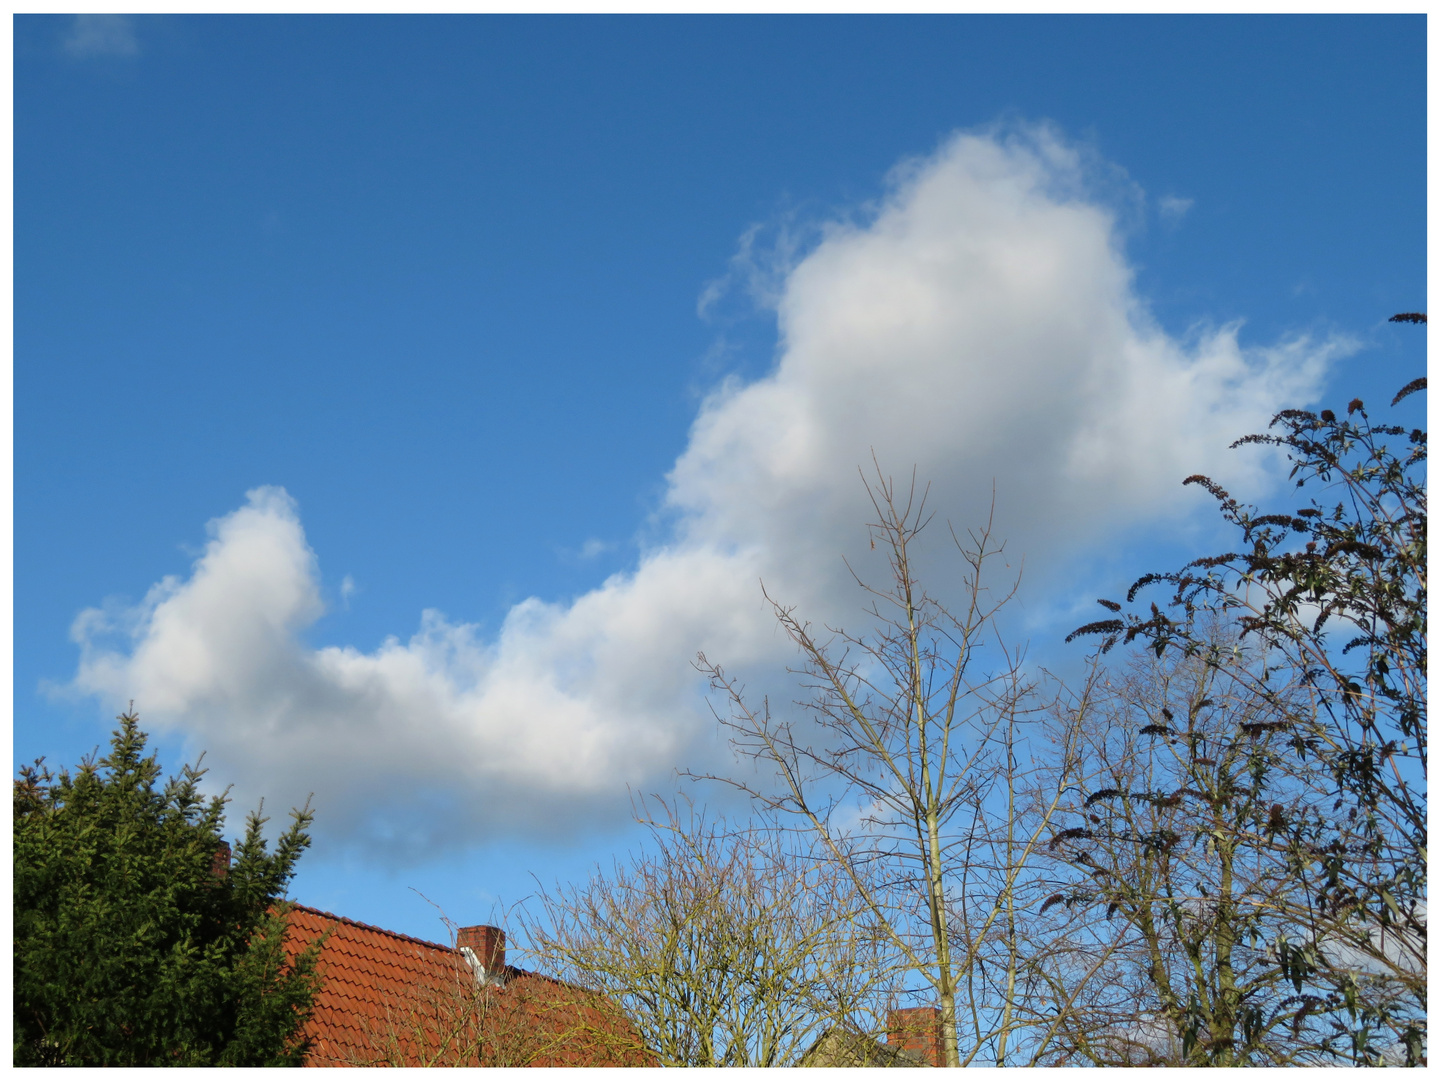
[[101, 35]]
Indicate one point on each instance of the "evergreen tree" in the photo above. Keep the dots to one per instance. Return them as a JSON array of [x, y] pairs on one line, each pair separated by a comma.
[[136, 942]]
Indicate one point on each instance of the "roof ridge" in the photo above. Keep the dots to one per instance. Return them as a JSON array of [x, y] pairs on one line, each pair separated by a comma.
[[370, 926], [511, 971]]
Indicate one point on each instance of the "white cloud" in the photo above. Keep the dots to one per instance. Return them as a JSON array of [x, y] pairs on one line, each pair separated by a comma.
[[595, 547], [1173, 207], [101, 35], [763, 260], [979, 324]]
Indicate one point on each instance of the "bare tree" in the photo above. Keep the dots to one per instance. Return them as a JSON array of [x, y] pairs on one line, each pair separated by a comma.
[[720, 945], [905, 768]]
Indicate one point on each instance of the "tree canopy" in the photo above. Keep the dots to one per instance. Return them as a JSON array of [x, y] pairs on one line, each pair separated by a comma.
[[137, 942], [1332, 597], [1212, 850]]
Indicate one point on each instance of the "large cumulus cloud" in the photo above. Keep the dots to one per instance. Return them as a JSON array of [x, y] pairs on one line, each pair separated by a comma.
[[978, 322]]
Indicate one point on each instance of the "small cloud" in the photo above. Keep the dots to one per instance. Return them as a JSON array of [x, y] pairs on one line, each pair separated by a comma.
[[593, 548], [589, 551], [101, 35], [713, 292], [348, 589], [1173, 208], [763, 259]]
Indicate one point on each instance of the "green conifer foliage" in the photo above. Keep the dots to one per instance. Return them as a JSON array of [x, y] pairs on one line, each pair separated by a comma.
[[134, 943]]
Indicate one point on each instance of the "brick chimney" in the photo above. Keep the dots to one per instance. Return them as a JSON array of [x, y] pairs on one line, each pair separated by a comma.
[[220, 864], [487, 945], [918, 1031]]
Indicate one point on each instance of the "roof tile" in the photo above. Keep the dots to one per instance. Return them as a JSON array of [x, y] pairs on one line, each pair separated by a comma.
[[388, 998]]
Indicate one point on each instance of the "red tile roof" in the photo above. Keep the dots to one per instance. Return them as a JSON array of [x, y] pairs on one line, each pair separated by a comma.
[[390, 999]]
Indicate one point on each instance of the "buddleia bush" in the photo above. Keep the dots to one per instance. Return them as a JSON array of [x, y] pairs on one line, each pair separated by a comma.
[[1333, 592]]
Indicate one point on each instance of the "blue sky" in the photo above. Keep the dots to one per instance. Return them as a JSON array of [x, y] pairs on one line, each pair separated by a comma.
[[568, 330]]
